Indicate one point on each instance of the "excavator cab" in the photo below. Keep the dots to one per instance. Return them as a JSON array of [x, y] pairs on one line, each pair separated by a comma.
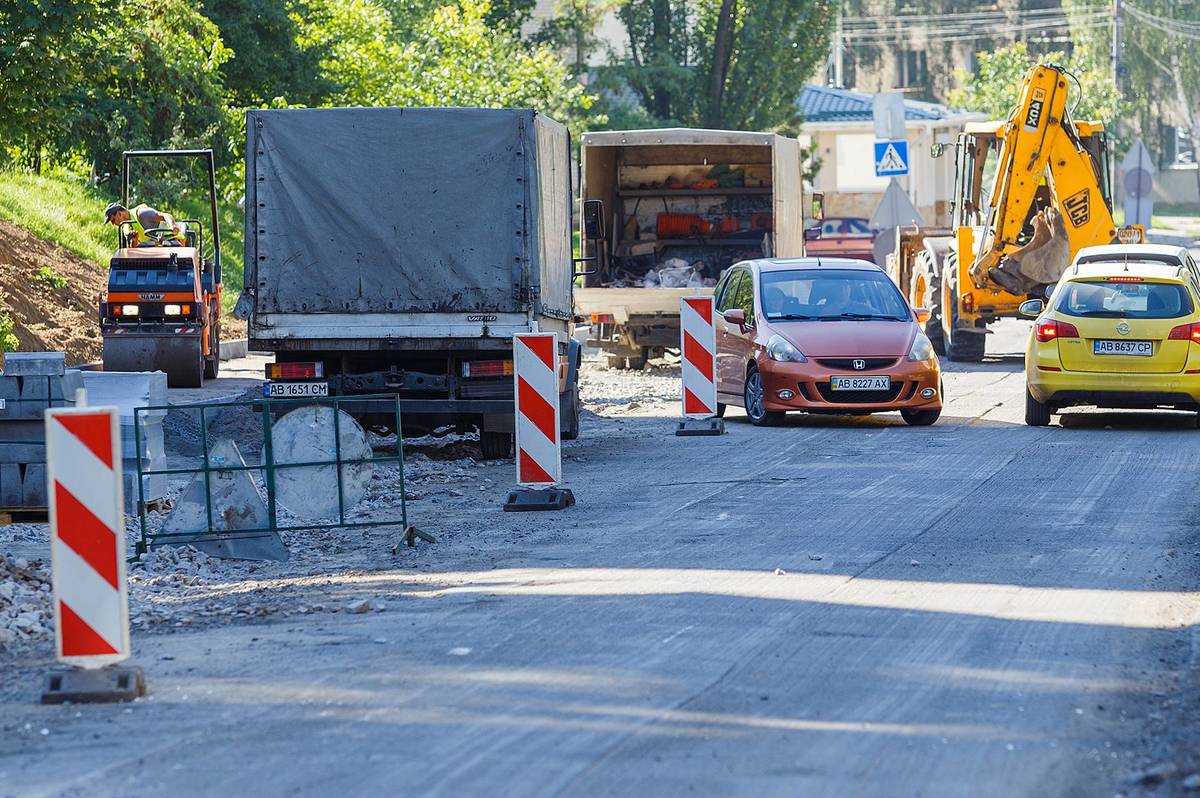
[[162, 309]]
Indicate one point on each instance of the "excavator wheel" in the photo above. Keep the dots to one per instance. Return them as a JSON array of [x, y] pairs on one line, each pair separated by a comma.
[[212, 364], [925, 290], [961, 346]]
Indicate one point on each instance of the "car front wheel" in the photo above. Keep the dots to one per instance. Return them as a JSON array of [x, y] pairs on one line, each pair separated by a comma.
[[754, 394]]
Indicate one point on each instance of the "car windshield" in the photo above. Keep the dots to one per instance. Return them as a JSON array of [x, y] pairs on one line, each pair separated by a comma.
[[831, 295], [1124, 300]]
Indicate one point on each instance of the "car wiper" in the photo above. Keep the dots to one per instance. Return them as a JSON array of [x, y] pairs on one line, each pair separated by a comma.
[[792, 317], [860, 317]]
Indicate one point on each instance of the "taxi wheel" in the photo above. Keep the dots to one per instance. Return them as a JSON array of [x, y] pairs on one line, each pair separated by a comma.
[[754, 401], [1037, 414], [921, 418]]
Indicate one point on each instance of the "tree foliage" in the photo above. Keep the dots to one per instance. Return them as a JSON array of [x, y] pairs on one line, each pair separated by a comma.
[[723, 63], [992, 89]]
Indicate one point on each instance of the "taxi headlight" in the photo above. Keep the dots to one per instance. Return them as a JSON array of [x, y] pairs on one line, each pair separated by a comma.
[[779, 348], [129, 310], [922, 348]]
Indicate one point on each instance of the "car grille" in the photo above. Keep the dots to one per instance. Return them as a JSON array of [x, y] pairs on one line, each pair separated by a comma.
[[863, 397], [847, 363]]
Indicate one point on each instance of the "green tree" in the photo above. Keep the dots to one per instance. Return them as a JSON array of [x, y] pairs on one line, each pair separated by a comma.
[[455, 58], [46, 49], [267, 59], [992, 88], [723, 63]]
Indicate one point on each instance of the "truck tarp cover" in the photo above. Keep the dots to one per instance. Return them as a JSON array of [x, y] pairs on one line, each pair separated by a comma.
[[378, 210]]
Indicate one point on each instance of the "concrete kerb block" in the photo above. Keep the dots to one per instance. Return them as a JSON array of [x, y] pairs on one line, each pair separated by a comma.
[[34, 364], [533, 499], [109, 685], [690, 427]]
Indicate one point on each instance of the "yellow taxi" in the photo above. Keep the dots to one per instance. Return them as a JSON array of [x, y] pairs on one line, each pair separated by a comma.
[[1120, 330]]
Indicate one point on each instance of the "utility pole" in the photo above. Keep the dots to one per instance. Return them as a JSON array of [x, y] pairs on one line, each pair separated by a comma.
[[1118, 23], [838, 51]]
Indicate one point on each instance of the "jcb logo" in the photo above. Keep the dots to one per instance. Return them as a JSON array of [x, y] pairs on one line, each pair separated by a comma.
[[1033, 117], [1079, 208]]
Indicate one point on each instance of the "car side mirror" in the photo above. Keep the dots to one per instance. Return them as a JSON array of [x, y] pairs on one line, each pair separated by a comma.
[[812, 233], [735, 316], [593, 220], [1031, 308], [922, 315], [1049, 290]]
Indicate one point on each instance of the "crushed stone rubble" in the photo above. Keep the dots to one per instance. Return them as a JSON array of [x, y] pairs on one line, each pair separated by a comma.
[[25, 603]]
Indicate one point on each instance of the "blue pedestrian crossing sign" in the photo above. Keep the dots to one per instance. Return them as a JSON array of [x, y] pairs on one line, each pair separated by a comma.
[[891, 158]]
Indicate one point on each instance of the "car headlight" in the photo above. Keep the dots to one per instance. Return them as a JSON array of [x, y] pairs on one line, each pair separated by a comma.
[[922, 348], [779, 348]]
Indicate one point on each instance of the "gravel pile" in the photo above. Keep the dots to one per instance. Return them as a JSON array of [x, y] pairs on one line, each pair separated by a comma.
[[610, 392], [25, 608]]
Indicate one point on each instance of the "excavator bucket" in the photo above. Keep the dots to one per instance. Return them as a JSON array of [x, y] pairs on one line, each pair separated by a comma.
[[179, 356]]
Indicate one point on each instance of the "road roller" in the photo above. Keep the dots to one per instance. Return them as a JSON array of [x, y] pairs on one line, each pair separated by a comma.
[[162, 309]]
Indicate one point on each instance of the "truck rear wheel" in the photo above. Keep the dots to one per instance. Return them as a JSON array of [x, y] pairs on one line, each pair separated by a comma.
[[495, 445]]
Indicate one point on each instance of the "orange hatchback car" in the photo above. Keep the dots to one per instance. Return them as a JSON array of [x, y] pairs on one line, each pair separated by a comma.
[[822, 335]]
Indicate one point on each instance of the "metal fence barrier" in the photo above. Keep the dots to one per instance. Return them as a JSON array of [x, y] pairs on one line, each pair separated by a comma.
[[267, 409]]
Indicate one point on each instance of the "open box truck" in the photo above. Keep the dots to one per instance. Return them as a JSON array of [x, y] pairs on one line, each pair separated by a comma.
[[398, 250], [685, 205]]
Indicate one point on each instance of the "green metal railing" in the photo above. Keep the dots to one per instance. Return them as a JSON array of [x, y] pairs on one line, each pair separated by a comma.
[[267, 408]]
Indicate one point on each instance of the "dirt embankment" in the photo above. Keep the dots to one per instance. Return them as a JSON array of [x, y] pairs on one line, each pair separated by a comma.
[[46, 318]]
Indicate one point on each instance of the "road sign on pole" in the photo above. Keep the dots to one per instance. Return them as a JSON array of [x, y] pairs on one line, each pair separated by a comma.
[[891, 158], [887, 110], [895, 209], [1137, 178]]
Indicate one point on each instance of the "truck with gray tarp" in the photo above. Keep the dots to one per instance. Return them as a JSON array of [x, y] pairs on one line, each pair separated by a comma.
[[398, 250]]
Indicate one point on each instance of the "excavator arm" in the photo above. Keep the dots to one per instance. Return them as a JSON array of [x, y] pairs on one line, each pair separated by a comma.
[[1039, 145]]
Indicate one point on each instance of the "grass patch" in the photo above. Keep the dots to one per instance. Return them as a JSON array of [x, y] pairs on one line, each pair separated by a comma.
[[59, 209], [68, 212]]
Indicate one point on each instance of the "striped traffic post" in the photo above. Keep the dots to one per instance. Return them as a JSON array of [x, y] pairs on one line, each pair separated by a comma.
[[87, 551], [538, 439], [698, 367]]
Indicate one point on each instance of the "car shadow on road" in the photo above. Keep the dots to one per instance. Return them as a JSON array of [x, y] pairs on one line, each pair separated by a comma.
[[1143, 421]]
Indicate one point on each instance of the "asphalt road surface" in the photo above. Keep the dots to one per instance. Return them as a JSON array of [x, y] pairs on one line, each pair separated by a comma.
[[835, 607]]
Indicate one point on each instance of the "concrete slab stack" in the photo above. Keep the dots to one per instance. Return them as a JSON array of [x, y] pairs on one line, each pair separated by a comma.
[[30, 383], [128, 391]]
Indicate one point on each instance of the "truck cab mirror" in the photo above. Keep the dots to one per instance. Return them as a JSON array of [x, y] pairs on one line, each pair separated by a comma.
[[1031, 307], [593, 220], [818, 205], [812, 233]]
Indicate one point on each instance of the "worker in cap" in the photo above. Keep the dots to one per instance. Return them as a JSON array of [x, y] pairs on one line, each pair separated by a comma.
[[145, 219]]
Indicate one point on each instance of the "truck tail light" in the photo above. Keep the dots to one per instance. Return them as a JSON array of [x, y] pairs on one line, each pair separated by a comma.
[[1049, 329], [487, 368], [603, 318], [1185, 332], [295, 371]]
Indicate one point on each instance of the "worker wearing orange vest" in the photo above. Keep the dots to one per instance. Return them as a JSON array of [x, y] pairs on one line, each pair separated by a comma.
[[143, 218]]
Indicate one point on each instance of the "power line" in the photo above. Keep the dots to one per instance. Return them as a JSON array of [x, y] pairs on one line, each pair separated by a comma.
[[959, 34]]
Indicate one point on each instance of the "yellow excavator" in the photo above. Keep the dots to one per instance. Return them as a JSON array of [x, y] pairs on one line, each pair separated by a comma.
[[1029, 192]]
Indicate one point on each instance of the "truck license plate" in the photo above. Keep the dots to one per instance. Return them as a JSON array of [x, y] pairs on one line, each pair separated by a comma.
[[294, 390], [1135, 348], [860, 383]]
